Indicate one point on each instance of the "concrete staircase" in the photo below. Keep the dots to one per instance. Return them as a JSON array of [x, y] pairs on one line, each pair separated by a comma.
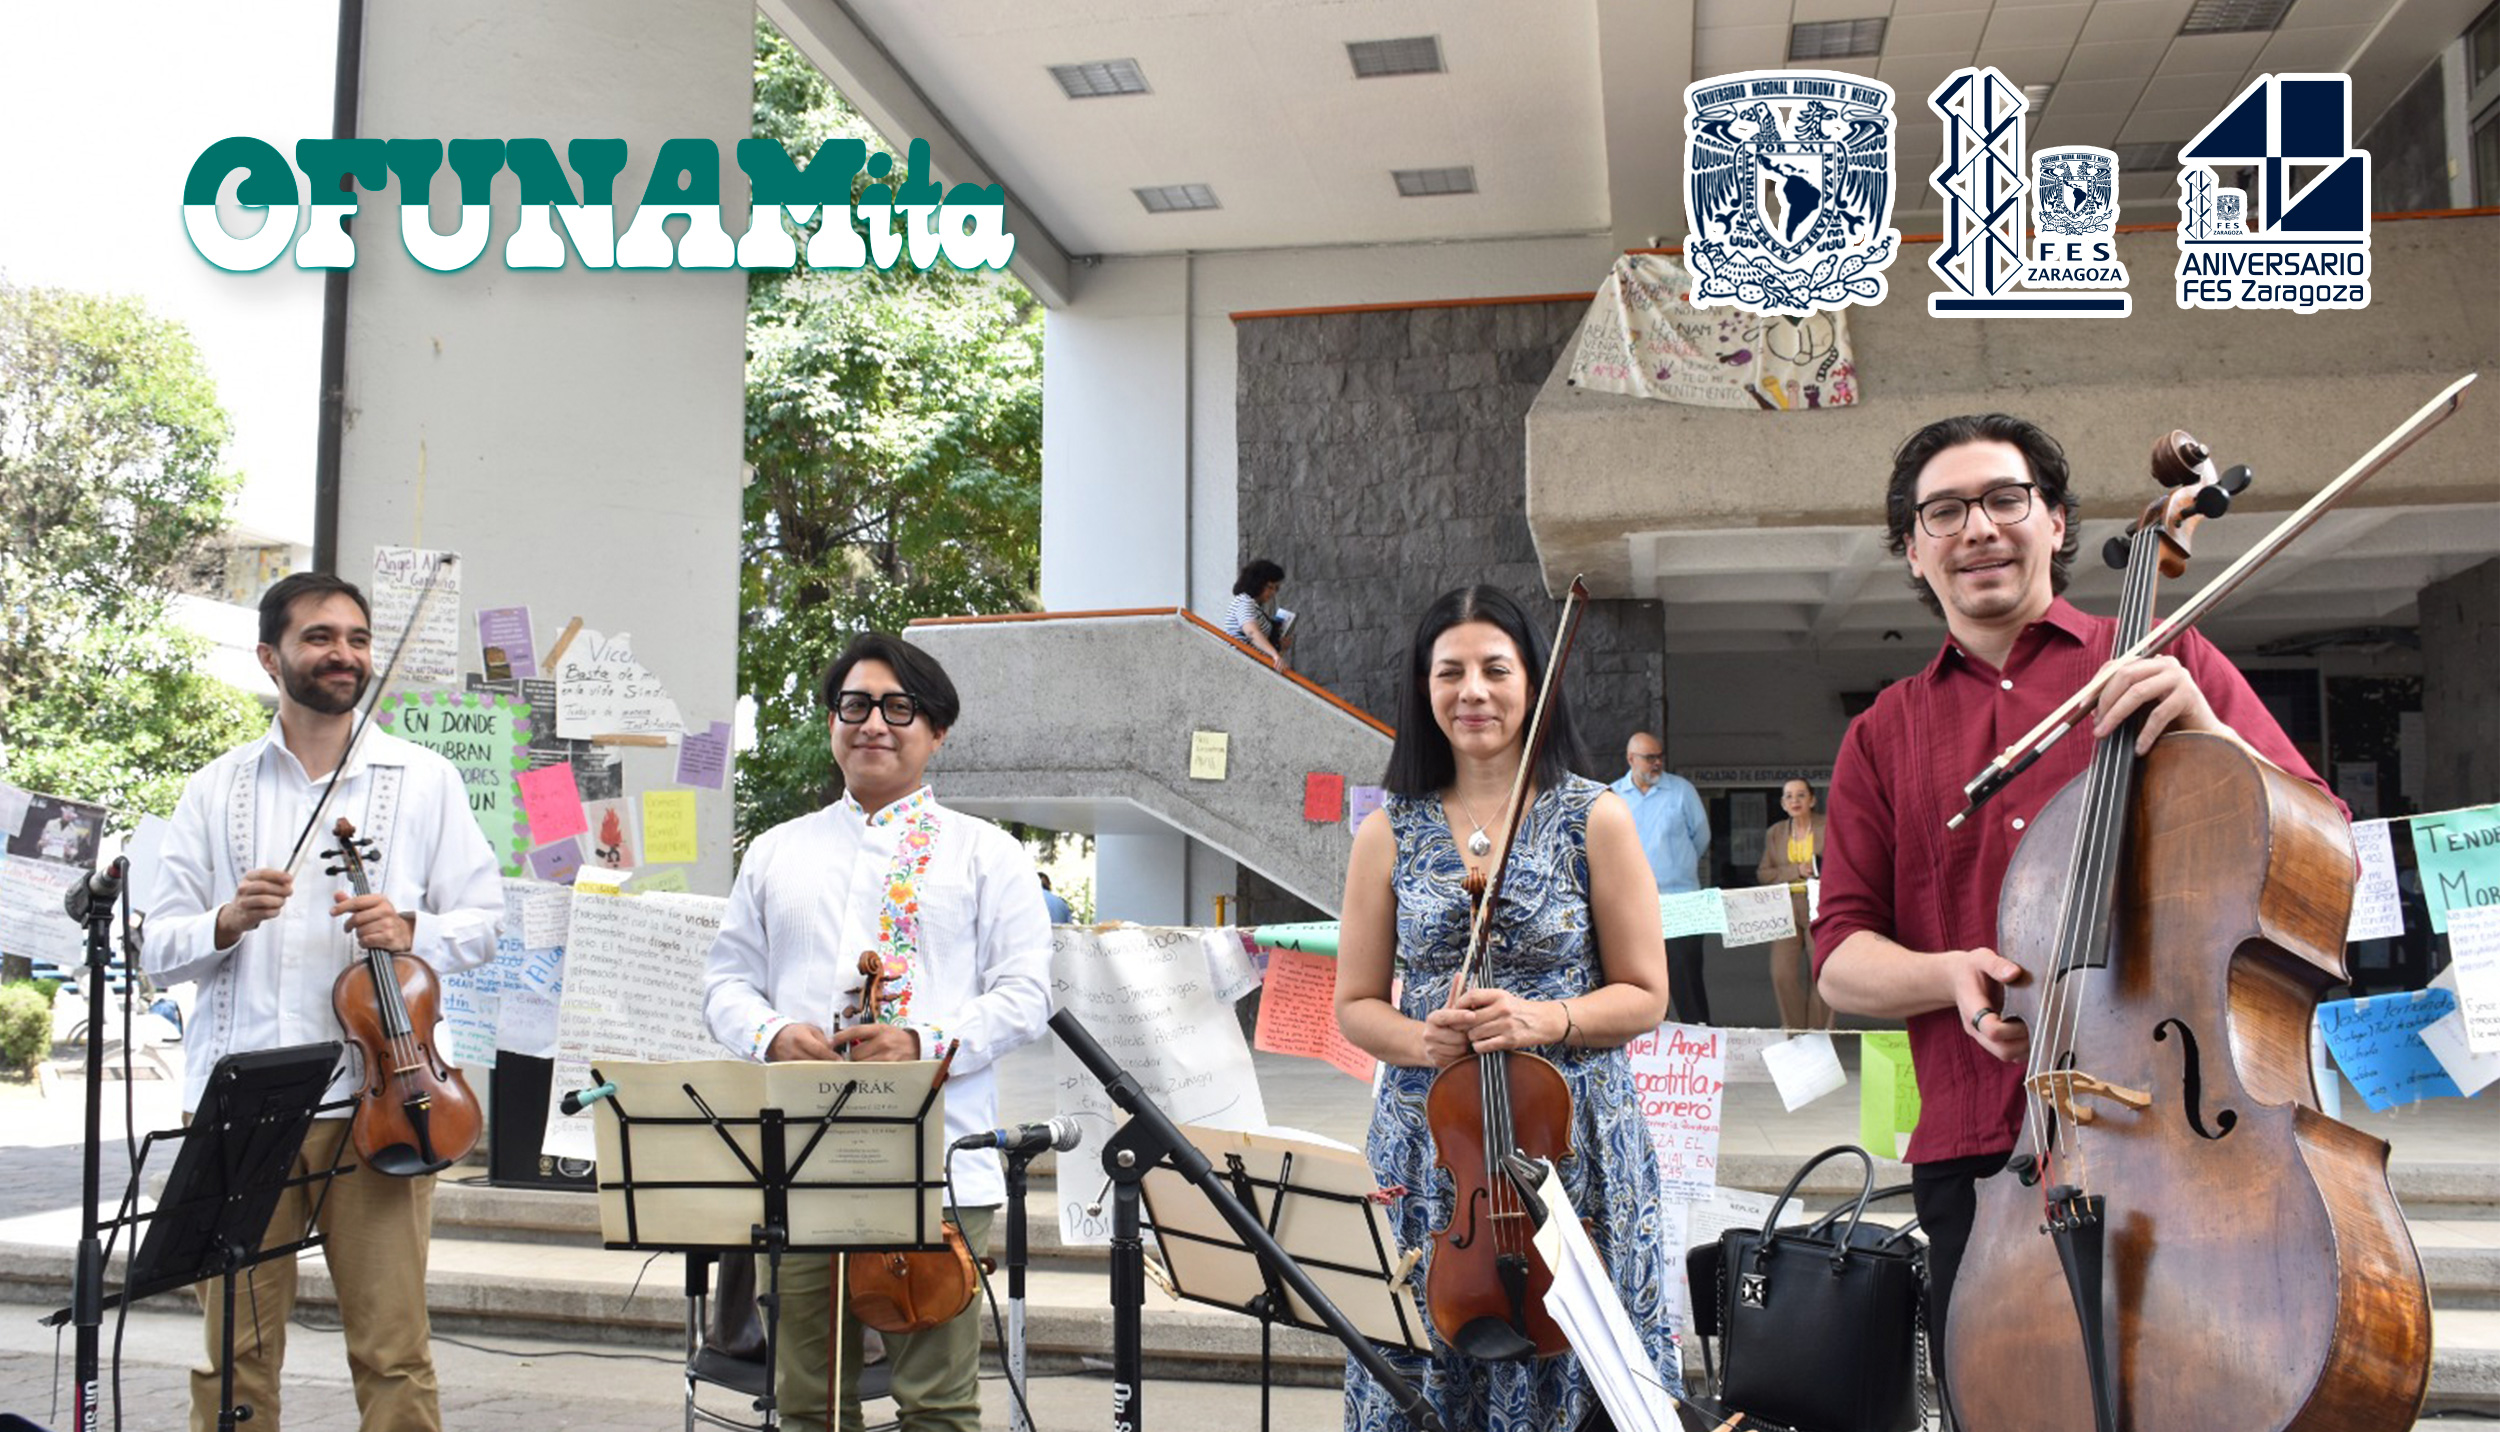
[[1083, 722]]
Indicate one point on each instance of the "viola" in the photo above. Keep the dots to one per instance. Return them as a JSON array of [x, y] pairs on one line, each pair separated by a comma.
[[2182, 1239], [414, 1113], [1497, 1120], [906, 1292]]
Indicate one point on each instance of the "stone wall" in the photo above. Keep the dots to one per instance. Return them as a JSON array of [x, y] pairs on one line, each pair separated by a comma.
[[1383, 462], [2461, 688]]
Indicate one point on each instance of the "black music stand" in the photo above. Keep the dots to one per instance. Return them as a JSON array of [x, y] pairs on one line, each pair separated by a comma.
[[1321, 1206], [232, 1167], [745, 1172]]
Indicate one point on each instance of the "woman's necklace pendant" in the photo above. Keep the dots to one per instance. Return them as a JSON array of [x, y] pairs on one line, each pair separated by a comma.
[[1480, 844]]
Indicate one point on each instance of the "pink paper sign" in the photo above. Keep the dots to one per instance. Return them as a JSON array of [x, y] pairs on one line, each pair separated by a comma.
[[1298, 1013], [553, 804]]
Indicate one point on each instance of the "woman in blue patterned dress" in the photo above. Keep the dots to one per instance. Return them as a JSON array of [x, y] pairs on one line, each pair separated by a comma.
[[1578, 970]]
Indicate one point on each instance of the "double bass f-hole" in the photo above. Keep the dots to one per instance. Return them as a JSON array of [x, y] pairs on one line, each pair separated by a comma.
[[2192, 1081]]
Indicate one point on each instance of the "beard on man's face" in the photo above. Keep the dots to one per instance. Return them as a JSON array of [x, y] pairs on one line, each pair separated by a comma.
[[311, 686]]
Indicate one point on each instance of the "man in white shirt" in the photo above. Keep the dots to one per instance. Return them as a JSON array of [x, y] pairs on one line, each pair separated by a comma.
[[951, 904], [229, 915]]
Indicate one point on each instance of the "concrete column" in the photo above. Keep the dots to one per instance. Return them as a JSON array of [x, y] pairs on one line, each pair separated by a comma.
[[1142, 878], [2461, 688]]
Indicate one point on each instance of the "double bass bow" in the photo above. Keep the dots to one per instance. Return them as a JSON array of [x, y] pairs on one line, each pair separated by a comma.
[[2181, 1239], [1497, 1120]]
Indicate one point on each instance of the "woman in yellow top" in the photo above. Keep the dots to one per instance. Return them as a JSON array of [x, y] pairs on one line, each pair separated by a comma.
[[1792, 854]]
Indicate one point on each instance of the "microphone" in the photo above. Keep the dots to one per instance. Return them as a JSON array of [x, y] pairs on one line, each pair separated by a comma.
[[1027, 1139], [580, 1099], [102, 887]]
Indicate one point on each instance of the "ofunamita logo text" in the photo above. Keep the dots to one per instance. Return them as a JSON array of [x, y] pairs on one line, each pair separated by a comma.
[[915, 221]]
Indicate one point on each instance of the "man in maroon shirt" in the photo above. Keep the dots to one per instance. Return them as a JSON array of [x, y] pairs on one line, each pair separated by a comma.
[[1980, 508]]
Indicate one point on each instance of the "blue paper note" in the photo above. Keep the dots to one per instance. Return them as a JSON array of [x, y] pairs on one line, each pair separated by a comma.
[[2378, 1044]]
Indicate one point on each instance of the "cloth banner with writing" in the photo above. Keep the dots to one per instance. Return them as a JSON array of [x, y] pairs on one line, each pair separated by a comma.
[[1643, 338], [1144, 995]]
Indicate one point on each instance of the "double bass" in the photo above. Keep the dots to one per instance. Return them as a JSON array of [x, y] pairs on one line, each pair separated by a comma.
[[2181, 1239], [1497, 1120]]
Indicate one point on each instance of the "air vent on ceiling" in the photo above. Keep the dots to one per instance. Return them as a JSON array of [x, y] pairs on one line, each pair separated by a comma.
[[1176, 198], [1378, 59], [2234, 17], [2148, 158], [1836, 39], [1424, 183], [1100, 79]]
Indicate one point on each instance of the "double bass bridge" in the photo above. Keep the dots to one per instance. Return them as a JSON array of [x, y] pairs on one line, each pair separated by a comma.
[[2070, 1091]]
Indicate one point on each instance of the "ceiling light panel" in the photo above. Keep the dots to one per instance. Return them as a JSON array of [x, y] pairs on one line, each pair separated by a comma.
[[1379, 59], [1100, 79], [2234, 17], [1426, 183], [1836, 40], [1176, 198]]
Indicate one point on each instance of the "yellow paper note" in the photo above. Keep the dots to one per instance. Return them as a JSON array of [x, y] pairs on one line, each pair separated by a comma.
[[668, 835], [1207, 751]]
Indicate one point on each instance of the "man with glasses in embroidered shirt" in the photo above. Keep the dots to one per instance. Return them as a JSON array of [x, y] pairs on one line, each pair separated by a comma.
[[1981, 510], [1675, 835], [951, 904]]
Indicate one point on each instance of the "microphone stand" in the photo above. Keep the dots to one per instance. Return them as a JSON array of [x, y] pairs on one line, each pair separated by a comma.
[[1016, 1162], [1148, 1139], [87, 1275]]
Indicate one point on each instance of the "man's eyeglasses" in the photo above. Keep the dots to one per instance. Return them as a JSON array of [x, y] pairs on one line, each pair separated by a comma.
[[1650, 758], [899, 708], [2005, 505]]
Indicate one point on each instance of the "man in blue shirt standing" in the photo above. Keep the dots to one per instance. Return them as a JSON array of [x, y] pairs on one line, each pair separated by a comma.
[[1675, 834], [1060, 914]]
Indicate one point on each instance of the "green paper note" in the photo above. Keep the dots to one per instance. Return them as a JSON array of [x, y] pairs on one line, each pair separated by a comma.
[[1887, 1092]]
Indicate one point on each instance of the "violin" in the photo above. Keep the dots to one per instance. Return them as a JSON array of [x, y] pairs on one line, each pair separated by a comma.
[[2182, 1239], [906, 1292], [414, 1113], [1498, 1120]]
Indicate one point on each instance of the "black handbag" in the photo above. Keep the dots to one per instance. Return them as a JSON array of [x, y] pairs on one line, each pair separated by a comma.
[[1819, 1326]]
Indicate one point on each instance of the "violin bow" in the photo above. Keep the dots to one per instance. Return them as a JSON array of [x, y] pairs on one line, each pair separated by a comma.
[[365, 718], [1566, 630], [2017, 758]]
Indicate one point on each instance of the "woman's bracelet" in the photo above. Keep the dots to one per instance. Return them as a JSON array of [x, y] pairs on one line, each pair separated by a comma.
[[1569, 1028]]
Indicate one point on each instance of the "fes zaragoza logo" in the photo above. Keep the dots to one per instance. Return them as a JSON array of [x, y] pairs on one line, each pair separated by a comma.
[[916, 220], [1987, 253], [1788, 191], [2309, 249]]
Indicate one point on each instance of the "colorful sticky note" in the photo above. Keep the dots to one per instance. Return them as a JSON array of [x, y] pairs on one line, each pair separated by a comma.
[[1298, 1013], [1323, 796], [703, 758], [559, 862], [668, 834], [551, 802], [2459, 856], [1207, 754], [2378, 1044], [1887, 1092]]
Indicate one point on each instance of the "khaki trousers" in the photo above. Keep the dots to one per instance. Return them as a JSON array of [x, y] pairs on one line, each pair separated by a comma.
[[937, 1374], [376, 1230]]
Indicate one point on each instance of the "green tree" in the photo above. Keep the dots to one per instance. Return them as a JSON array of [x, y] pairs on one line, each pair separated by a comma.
[[894, 424], [111, 478]]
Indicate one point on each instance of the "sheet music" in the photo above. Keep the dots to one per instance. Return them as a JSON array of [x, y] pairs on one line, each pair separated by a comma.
[[1584, 1304]]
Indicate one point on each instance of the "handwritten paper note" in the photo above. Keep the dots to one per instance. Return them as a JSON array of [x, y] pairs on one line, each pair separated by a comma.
[[1887, 1092], [2459, 856], [559, 862], [1230, 966], [484, 734], [1677, 1071], [551, 802], [1323, 796], [503, 642], [1143, 994], [2378, 1044], [1692, 912], [472, 1001], [668, 835], [2377, 913], [432, 652], [601, 690], [31, 924], [1207, 755], [2474, 956], [1298, 1013], [633, 989], [703, 758], [2471, 1072], [1758, 914], [1804, 1068], [1361, 801]]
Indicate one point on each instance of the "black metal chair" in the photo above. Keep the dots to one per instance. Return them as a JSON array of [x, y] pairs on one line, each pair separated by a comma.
[[725, 1342]]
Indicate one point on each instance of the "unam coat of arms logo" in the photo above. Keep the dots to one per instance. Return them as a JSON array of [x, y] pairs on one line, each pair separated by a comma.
[[1788, 190]]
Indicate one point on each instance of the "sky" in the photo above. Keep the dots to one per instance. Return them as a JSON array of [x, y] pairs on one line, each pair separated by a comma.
[[102, 110]]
